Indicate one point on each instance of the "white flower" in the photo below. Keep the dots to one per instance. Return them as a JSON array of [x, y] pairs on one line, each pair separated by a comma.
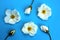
[[30, 28], [44, 28], [12, 16], [28, 10], [44, 12]]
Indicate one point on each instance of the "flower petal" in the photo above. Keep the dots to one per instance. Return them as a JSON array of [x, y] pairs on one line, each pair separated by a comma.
[[44, 17], [11, 21], [44, 28], [8, 12], [28, 10], [6, 19], [32, 33], [24, 30]]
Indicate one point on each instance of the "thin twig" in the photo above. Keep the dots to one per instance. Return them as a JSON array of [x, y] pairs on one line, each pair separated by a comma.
[[49, 36], [32, 2], [6, 37]]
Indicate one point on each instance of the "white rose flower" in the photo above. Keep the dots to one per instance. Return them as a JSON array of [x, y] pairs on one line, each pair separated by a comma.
[[44, 28], [12, 16], [44, 12], [30, 28], [28, 10]]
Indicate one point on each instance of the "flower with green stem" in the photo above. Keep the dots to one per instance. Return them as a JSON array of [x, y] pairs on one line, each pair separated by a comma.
[[11, 33], [45, 30], [28, 10]]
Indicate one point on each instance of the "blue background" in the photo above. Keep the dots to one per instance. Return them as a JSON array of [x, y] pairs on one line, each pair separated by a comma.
[[53, 23]]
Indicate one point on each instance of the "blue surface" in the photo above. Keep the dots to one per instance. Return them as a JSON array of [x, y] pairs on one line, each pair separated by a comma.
[[53, 23]]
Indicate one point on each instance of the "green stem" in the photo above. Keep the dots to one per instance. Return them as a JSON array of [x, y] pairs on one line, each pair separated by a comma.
[[49, 36], [32, 2], [6, 37]]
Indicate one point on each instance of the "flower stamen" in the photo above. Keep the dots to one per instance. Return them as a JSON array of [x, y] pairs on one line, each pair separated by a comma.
[[12, 16], [43, 11], [29, 28]]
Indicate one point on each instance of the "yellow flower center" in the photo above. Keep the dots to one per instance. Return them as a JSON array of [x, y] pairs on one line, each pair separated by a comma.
[[12, 16], [43, 11], [29, 28]]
